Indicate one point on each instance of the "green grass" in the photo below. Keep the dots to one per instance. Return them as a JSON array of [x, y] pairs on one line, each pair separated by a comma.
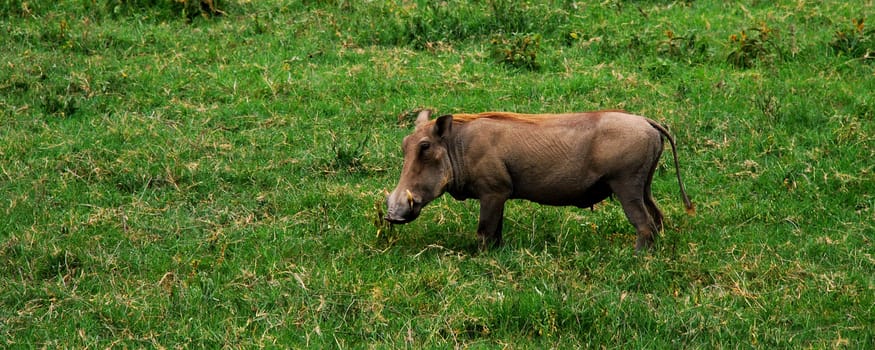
[[172, 179]]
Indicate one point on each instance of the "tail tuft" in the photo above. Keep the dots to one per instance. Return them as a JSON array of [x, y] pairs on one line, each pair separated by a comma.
[[691, 210]]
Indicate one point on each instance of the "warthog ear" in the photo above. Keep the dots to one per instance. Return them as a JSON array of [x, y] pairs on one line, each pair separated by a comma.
[[442, 125], [422, 117]]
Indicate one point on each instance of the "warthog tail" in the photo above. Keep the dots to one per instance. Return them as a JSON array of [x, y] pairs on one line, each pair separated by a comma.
[[691, 210]]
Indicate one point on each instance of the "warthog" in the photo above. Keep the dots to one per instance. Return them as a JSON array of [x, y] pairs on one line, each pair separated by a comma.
[[574, 159]]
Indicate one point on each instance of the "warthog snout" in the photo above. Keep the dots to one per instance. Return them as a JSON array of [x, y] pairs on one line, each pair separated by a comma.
[[402, 207]]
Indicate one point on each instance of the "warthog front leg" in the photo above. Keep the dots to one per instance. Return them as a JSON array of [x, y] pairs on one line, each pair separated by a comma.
[[491, 221]]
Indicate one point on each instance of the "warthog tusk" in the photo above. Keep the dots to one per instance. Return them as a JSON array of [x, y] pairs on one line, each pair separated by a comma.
[[409, 198]]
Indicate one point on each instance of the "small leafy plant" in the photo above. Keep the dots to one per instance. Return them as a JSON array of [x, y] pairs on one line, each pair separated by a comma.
[[348, 156], [687, 47], [856, 41], [188, 9], [520, 50], [769, 104], [752, 45]]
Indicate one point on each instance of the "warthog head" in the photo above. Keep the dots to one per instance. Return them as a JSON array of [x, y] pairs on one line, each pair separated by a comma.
[[426, 172]]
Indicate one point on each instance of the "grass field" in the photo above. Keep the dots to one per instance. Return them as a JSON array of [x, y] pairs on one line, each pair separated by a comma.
[[171, 178]]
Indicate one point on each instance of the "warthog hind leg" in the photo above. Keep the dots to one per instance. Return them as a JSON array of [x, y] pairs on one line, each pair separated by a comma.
[[636, 207]]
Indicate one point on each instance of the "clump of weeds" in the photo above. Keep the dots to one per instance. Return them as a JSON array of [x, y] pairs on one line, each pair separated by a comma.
[[855, 41], [518, 50], [60, 105], [348, 155], [752, 45], [768, 104], [188, 9], [686, 47]]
